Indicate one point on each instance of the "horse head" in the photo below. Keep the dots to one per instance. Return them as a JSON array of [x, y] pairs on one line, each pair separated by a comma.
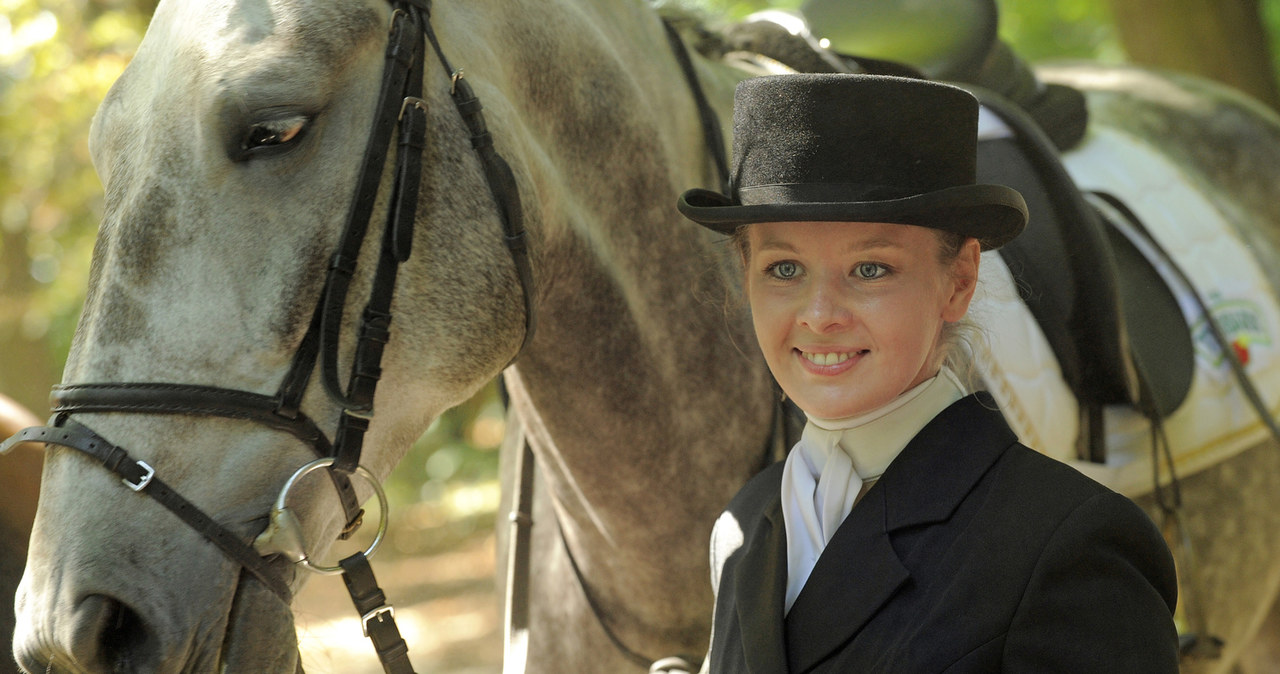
[[230, 150]]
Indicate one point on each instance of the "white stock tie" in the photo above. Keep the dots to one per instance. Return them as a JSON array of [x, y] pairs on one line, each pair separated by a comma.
[[820, 483]]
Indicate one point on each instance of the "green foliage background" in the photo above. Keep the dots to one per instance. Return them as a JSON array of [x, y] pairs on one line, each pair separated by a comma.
[[57, 60]]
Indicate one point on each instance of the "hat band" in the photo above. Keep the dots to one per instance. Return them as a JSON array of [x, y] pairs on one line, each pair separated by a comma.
[[804, 193]]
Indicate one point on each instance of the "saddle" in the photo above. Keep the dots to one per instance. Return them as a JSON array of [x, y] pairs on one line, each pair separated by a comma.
[[1111, 319]]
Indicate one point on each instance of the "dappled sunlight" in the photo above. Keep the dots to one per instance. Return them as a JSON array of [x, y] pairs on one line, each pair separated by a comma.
[[445, 607], [16, 40]]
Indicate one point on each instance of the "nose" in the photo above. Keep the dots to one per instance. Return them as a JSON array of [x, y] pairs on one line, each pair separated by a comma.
[[103, 635], [825, 307]]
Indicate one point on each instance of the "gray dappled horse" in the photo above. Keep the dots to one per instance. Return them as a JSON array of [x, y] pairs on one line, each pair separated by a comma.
[[229, 150]]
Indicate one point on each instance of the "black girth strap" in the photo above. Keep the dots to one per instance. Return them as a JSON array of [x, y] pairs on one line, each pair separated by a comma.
[[141, 478]]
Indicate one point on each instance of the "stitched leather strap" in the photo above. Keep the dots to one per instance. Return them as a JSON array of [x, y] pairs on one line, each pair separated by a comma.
[[711, 132], [402, 52], [141, 478], [160, 398], [376, 615]]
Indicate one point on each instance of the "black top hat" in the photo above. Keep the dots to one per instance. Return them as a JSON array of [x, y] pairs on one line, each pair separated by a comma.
[[857, 148]]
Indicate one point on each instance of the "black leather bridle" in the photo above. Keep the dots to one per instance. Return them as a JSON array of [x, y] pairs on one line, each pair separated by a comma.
[[400, 104]]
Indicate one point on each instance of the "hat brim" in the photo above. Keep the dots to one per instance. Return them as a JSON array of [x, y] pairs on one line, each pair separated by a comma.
[[992, 214]]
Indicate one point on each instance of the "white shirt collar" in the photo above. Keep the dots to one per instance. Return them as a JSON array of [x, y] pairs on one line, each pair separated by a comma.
[[874, 439]]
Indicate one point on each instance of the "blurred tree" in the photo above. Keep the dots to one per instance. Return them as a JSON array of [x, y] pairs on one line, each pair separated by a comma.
[[1224, 40], [57, 59], [1062, 29]]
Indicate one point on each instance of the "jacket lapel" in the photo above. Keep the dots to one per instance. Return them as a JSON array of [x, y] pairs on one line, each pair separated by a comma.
[[854, 576], [760, 588], [941, 465], [859, 570]]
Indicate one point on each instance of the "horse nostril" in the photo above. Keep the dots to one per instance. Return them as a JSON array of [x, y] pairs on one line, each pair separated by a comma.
[[123, 639], [109, 636]]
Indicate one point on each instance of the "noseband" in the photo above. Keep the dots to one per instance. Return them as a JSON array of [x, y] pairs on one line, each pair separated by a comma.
[[400, 104]]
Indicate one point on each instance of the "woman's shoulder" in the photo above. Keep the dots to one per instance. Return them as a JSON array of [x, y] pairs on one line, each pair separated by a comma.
[[1062, 498], [763, 488], [1034, 472]]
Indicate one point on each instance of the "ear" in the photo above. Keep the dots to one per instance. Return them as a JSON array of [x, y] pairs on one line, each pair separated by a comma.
[[963, 281]]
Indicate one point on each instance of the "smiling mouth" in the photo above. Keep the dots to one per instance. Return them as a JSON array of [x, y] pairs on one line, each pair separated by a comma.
[[833, 358]]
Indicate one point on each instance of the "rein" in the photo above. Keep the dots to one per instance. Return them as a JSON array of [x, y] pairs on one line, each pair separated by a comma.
[[400, 104]]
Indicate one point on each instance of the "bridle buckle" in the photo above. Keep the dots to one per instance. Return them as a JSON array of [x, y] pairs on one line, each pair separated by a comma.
[[376, 614], [412, 101], [142, 481]]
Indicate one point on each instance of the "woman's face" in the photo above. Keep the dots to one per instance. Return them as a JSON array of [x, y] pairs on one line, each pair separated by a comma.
[[849, 315]]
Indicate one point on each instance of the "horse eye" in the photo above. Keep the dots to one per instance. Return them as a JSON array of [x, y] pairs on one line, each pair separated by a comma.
[[274, 133]]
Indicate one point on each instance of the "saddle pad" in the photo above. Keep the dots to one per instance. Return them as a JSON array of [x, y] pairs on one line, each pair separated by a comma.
[[1018, 366], [1216, 421]]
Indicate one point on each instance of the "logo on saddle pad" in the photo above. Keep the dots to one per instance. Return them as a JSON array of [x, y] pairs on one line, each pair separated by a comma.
[[1243, 325]]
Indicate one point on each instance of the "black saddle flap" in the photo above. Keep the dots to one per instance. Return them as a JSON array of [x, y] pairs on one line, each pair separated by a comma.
[[1116, 328]]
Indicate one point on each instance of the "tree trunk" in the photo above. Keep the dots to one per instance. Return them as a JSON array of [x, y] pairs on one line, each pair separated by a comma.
[[1223, 40]]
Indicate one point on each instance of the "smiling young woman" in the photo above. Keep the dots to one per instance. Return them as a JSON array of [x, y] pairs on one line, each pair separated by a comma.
[[908, 530], [850, 317]]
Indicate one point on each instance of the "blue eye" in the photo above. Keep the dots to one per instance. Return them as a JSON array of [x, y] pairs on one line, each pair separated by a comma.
[[870, 270], [784, 270]]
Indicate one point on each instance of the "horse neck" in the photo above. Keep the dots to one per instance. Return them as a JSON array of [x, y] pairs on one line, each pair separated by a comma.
[[643, 384]]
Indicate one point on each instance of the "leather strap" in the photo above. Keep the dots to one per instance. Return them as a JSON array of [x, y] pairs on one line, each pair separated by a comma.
[[190, 399], [711, 132], [401, 55], [141, 478], [376, 615], [501, 181], [520, 546], [1219, 335]]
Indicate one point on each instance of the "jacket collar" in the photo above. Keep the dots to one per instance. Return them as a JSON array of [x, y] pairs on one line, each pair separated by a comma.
[[859, 570]]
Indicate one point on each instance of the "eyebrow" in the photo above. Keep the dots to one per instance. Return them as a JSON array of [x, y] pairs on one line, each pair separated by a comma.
[[860, 244], [875, 242]]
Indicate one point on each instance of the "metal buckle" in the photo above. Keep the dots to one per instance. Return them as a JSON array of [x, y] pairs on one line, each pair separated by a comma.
[[142, 481], [412, 101], [376, 613], [391, 25], [453, 81], [284, 534]]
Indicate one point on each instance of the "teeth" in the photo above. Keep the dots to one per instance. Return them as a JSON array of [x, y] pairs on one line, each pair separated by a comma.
[[827, 358]]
